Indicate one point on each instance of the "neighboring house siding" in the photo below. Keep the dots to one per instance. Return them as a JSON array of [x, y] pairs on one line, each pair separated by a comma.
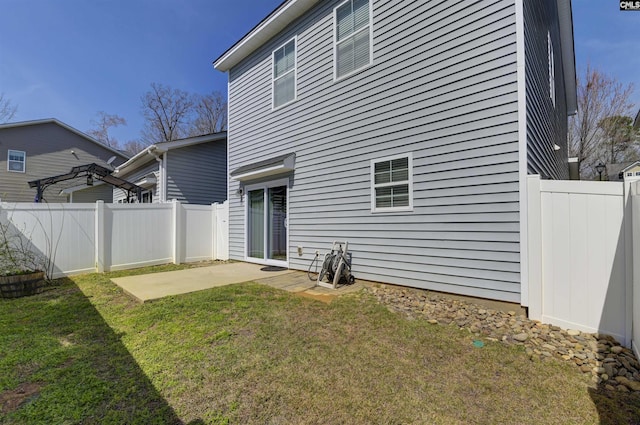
[[103, 192], [48, 149], [443, 88], [546, 124], [197, 174], [151, 167]]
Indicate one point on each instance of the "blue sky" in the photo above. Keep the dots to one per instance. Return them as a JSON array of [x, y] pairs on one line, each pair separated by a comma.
[[69, 59]]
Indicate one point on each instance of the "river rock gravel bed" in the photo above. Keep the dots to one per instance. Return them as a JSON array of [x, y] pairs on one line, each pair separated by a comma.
[[610, 365]]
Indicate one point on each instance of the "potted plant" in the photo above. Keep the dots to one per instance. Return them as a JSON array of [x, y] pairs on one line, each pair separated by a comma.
[[21, 269]]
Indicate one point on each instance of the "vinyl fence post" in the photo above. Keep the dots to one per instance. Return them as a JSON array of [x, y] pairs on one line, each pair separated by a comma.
[[635, 251], [214, 231], [535, 247], [177, 231], [99, 237]]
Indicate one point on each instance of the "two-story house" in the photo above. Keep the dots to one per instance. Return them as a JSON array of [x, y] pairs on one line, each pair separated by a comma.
[[32, 150], [407, 128]]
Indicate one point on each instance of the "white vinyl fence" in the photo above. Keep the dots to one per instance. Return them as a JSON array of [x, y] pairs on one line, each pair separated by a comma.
[[81, 238], [580, 264]]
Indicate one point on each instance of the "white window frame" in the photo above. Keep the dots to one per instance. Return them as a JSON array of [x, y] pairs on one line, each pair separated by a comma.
[[295, 74], [146, 192], [409, 182], [552, 70], [24, 161], [368, 27]]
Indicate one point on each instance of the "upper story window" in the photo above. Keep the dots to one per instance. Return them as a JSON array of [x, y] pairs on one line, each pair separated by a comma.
[[16, 161], [284, 74], [552, 70], [392, 184], [352, 43]]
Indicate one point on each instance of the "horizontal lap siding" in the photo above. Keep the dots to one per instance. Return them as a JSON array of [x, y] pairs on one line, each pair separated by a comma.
[[48, 148], [546, 124], [102, 192], [135, 176], [443, 87], [198, 174]]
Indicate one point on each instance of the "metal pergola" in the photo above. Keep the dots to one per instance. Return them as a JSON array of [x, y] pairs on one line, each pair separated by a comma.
[[90, 171]]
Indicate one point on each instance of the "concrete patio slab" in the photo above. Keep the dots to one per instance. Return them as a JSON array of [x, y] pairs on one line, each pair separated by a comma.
[[158, 285]]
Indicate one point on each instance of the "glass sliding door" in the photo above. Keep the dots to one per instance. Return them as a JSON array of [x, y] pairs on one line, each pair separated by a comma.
[[267, 223], [277, 223], [256, 224]]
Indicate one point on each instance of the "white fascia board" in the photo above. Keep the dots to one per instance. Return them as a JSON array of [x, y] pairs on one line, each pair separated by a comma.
[[181, 143], [631, 166], [138, 159], [264, 31]]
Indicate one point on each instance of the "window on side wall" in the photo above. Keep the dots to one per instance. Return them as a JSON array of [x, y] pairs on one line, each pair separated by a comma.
[[392, 184], [147, 197], [352, 37], [552, 70], [16, 161], [284, 74]]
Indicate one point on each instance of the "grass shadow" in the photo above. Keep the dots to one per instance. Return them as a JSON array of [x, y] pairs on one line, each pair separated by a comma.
[[616, 407], [60, 362]]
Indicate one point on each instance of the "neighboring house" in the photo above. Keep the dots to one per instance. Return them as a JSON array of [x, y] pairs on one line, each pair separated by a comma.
[[624, 172], [192, 170], [407, 128], [32, 150]]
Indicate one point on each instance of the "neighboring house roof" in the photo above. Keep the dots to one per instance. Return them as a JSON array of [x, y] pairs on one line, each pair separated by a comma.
[[149, 153], [290, 10], [614, 170], [66, 126]]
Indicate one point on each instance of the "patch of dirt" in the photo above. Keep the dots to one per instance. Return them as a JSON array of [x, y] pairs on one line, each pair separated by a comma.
[[325, 298], [11, 400]]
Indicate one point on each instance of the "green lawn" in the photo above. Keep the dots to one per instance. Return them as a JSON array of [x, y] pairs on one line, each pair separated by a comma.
[[84, 352]]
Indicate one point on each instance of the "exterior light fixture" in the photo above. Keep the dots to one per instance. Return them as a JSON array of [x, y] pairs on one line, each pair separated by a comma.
[[600, 168]]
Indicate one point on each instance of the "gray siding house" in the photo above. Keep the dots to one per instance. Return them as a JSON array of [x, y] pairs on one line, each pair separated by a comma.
[[407, 128], [192, 170], [31, 150]]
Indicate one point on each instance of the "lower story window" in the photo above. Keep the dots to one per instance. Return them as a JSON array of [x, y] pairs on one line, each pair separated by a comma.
[[392, 184], [147, 197]]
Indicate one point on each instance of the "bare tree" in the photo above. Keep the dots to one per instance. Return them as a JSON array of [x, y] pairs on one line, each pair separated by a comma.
[[211, 114], [167, 112], [620, 140], [134, 146], [105, 121], [599, 97], [7, 110]]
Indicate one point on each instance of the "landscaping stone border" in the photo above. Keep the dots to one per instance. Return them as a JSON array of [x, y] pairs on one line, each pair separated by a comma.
[[609, 364]]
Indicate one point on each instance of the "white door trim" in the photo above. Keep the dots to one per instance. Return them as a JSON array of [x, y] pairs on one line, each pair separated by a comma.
[[264, 186]]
